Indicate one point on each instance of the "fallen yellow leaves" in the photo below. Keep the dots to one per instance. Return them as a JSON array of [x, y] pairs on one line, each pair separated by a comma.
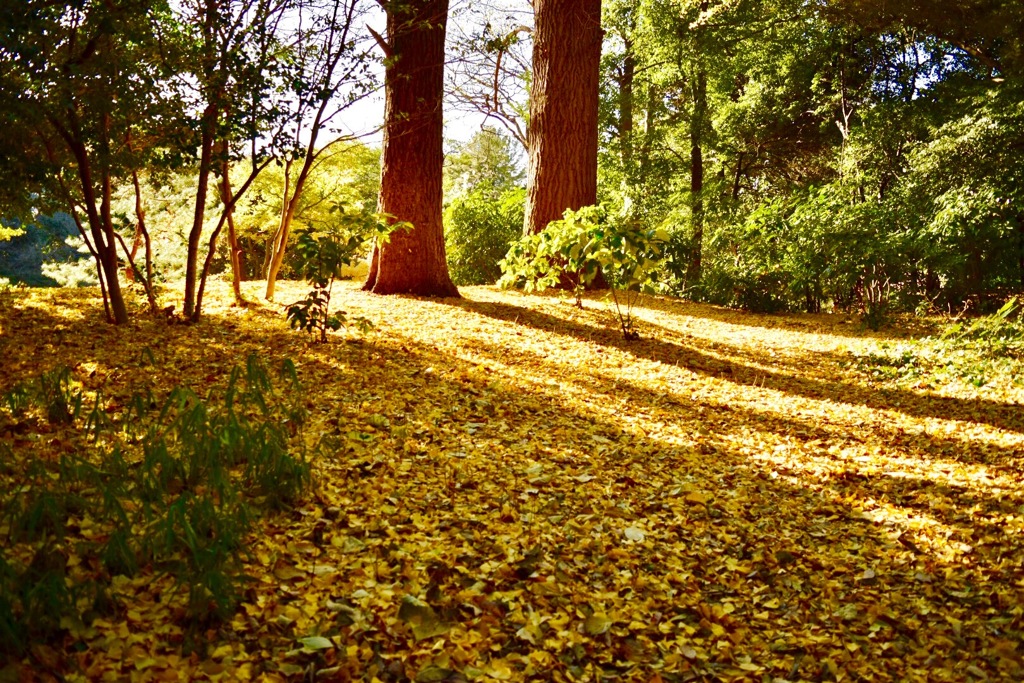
[[513, 492]]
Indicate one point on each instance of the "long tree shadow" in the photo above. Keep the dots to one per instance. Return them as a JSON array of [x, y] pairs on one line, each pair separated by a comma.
[[783, 558], [539, 506], [1006, 416], [844, 325]]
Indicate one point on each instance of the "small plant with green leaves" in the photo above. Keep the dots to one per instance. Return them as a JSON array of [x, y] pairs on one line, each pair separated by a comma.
[[178, 493], [585, 243], [321, 256]]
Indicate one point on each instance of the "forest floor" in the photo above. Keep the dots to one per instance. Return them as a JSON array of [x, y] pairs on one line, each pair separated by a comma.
[[509, 490]]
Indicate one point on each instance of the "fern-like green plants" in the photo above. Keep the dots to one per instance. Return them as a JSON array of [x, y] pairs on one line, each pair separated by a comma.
[[201, 467]]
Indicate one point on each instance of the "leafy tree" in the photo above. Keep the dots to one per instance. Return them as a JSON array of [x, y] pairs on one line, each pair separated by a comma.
[[74, 82], [227, 70], [488, 159], [330, 72]]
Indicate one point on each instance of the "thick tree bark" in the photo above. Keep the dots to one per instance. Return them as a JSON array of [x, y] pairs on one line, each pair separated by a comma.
[[562, 138], [413, 262]]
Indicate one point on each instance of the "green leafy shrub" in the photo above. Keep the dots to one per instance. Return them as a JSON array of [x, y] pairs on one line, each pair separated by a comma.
[[321, 257], [479, 229], [584, 244], [978, 351]]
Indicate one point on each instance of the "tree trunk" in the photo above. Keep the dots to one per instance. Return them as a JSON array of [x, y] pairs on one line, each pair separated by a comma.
[[227, 197], [650, 128], [562, 138], [697, 126], [194, 235], [142, 237], [291, 205], [274, 245], [102, 232], [626, 108], [413, 262]]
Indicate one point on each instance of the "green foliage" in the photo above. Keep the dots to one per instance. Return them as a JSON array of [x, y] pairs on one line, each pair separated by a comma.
[[184, 507], [54, 392], [977, 351], [488, 164], [996, 335], [321, 257], [46, 252], [479, 228], [342, 184], [585, 243]]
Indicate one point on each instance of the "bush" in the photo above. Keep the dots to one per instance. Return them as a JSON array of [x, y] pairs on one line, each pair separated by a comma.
[[977, 351], [479, 230], [580, 247]]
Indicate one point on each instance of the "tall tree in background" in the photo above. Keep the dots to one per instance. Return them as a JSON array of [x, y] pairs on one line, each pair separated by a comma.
[[413, 261], [562, 137], [234, 101]]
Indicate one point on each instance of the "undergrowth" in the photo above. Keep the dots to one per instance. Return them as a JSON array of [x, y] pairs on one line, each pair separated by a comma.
[[172, 488], [978, 351]]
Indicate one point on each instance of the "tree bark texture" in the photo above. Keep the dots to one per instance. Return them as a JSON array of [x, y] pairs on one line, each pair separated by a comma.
[[413, 261], [562, 138]]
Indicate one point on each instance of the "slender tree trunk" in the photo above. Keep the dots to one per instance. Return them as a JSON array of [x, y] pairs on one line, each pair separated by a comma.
[[291, 205], [562, 137], [142, 236], [697, 127], [205, 165], [413, 262], [737, 176], [102, 233], [227, 197], [272, 246], [626, 109]]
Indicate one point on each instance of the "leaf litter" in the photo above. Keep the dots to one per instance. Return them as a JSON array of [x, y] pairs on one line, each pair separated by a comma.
[[514, 492]]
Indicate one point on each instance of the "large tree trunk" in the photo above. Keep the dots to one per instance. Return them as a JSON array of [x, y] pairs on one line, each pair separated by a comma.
[[413, 262], [562, 138]]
